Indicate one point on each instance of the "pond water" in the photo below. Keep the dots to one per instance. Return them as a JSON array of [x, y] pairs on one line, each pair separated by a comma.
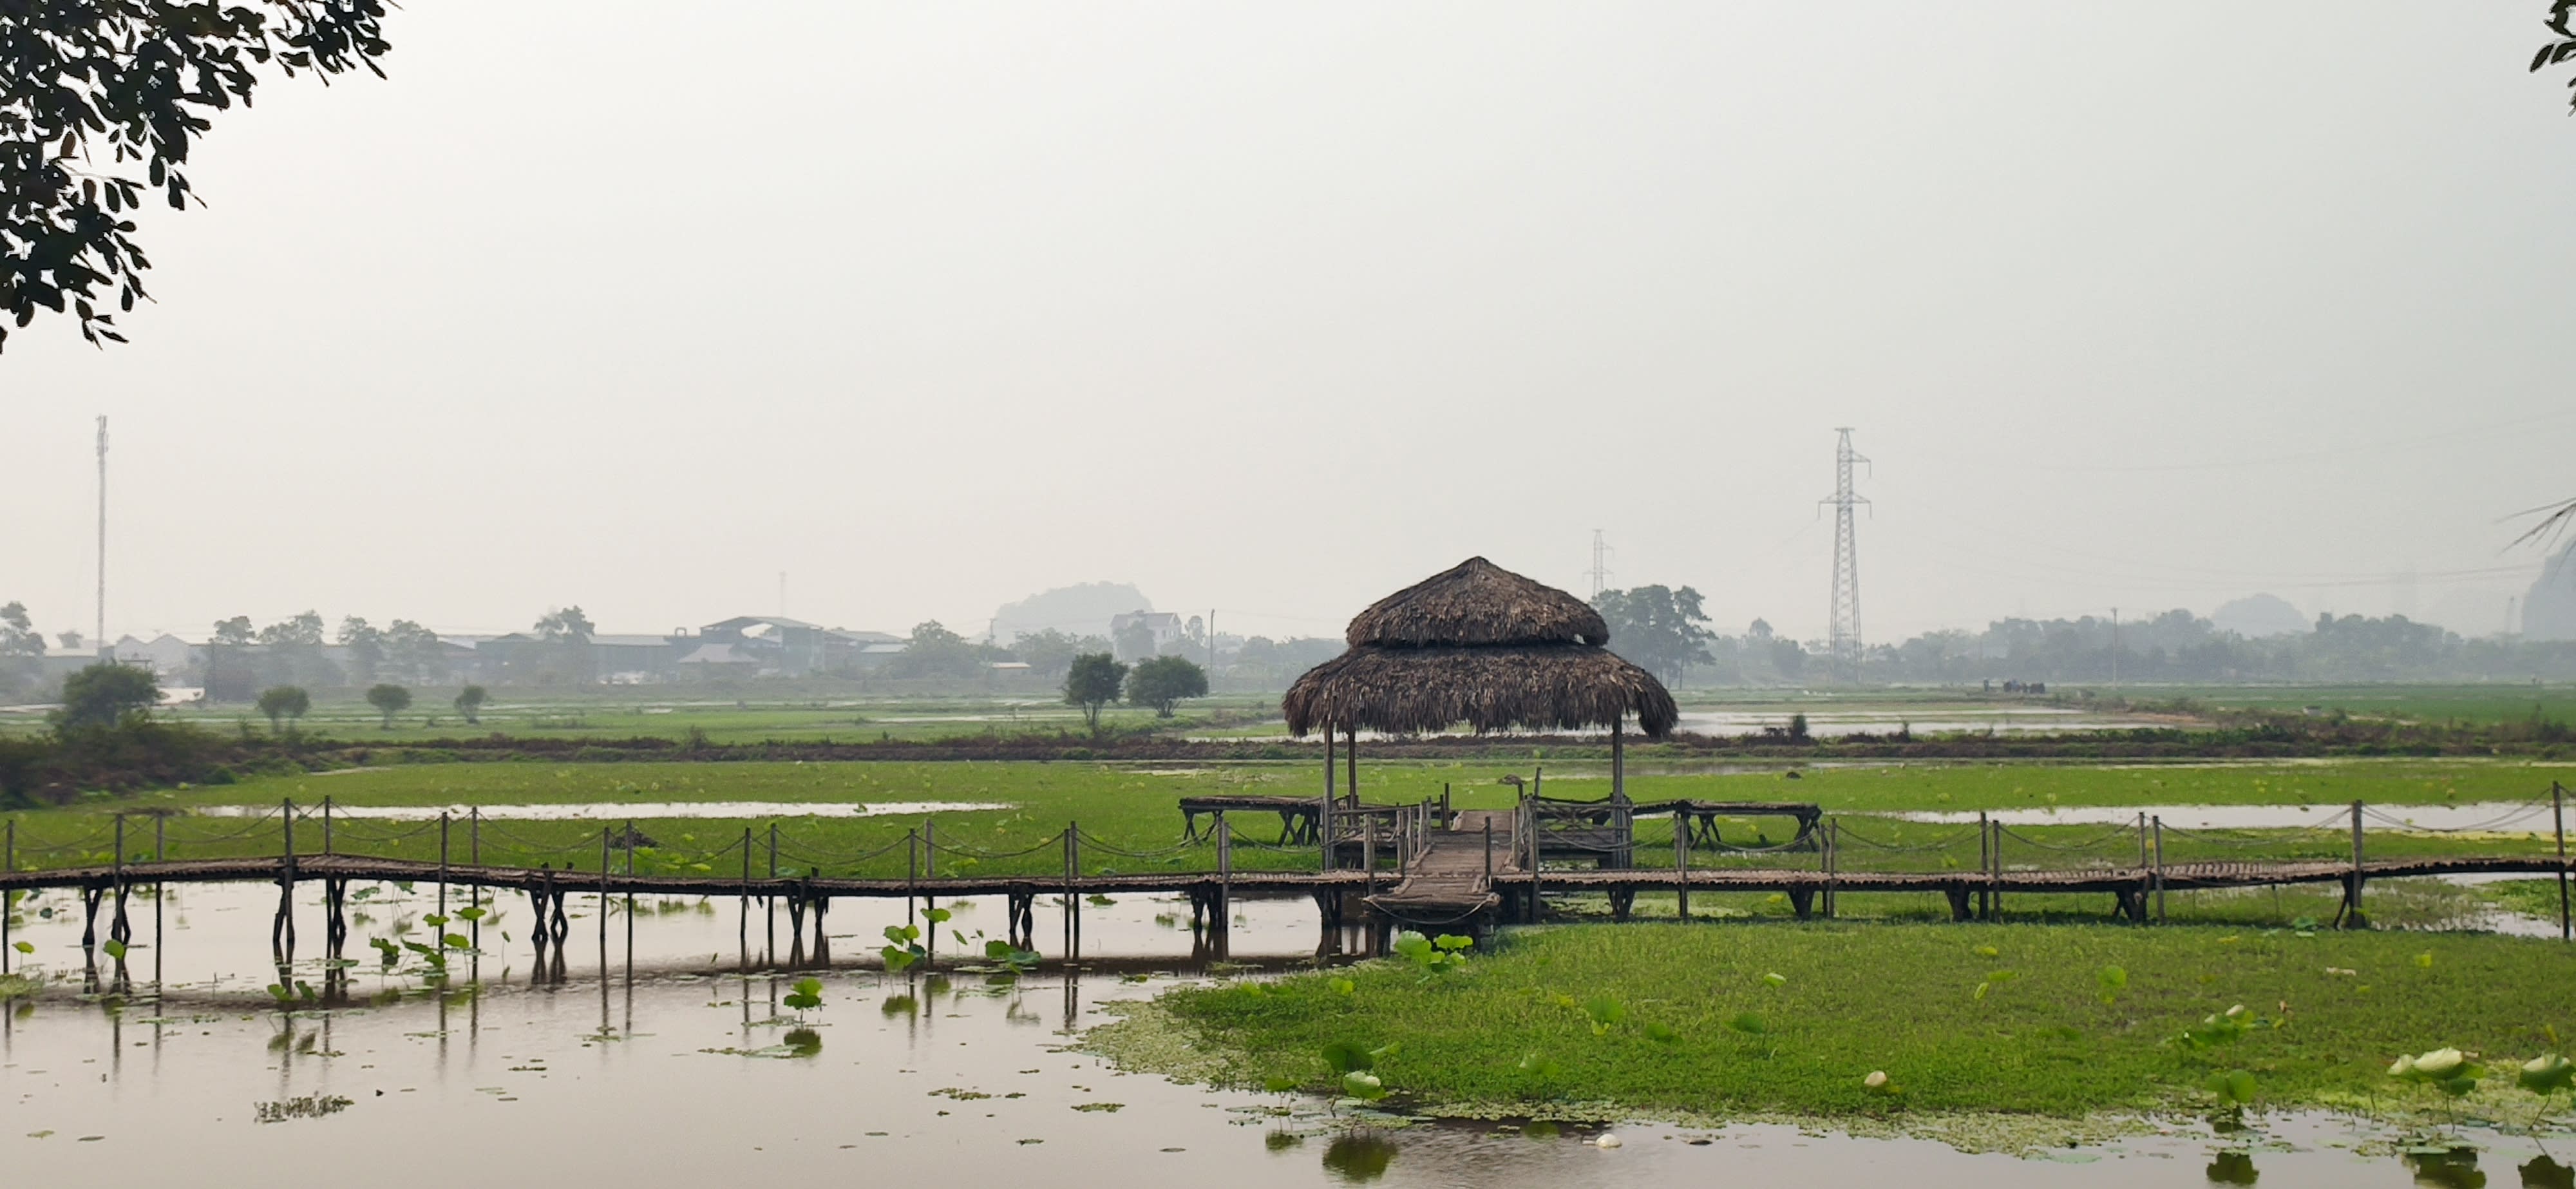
[[1930, 720], [630, 810], [656, 1057]]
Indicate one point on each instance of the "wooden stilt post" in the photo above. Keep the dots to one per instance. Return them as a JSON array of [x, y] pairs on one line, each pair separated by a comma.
[[1073, 873], [474, 859], [912, 875], [742, 926], [442, 862], [2558, 811], [1618, 760], [768, 903], [1995, 877]]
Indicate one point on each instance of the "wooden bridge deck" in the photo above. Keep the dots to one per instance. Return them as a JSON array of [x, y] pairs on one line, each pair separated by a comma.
[[1446, 880]]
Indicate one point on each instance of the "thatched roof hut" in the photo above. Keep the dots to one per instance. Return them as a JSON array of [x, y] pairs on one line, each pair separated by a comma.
[[1479, 645]]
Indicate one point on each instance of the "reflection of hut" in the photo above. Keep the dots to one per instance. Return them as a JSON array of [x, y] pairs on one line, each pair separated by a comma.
[[1482, 646]]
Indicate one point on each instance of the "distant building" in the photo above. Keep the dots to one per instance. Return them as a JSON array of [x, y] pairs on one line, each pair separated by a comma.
[[774, 645], [1165, 626]]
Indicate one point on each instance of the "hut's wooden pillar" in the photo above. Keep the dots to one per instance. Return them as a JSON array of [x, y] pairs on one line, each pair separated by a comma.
[[1618, 760], [1351, 757]]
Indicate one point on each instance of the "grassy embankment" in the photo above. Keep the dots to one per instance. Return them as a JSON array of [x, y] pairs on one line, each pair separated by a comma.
[[1687, 1021]]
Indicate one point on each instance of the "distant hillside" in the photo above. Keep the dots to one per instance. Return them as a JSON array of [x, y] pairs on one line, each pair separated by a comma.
[[1082, 610], [2259, 615]]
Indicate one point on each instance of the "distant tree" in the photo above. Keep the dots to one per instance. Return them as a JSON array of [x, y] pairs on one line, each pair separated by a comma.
[[1135, 640], [414, 653], [1091, 682], [1164, 680], [104, 101], [1788, 658], [567, 634], [284, 702], [1050, 653], [300, 631], [104, 695], [1664, 631], [22, 648], [235, 632], [389, 700], [366, 648], [469, 702], [934, 651]]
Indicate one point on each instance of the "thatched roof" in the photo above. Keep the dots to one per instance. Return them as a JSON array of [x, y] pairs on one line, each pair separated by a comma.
[[1409, 691], [1477, 603]]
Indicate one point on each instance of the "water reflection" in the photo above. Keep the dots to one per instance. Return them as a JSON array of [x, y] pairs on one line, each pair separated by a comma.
[[2447, 1168], [2232, 1168], [1359, 1157]]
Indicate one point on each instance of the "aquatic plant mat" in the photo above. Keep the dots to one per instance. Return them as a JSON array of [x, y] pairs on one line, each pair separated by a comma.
[[2066, 1026]]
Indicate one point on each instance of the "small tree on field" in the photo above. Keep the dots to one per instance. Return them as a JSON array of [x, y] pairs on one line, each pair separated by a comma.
[[389, 700], [469, 702], [1164, 680], [103, 695], [1092, 683], [284, 702]]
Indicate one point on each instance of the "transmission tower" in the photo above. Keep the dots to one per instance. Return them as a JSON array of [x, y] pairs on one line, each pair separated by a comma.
[[1846, 630], [1600, 571]]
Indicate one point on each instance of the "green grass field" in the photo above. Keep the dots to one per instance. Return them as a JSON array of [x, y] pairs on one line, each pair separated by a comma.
[[2484, 703], [1789, 1019]]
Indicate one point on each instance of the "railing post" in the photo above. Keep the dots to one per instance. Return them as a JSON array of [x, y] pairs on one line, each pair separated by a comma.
[[287, 815], [443, 821], [2352, 919], [1327, 822], [1489, 854], [2558, 812], [1224, 865], [2157, 823], [929, 849], [474, 858], [1985, 866], [630, 856], [773, 850], [160, 840], [118, 868], [911, 873], [1681, 864], [326, 825], [2142, 839], [1833, 862]]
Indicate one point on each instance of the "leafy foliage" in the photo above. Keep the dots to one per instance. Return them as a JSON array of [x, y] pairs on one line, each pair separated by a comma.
[[2561, 14], [283, 702], [1092, 682], [1163, 681], [389, 700], [1662, 630], [103, 695], [104, 99]]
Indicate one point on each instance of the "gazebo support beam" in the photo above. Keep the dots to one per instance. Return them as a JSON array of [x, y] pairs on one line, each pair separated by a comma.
[[1618, 761]]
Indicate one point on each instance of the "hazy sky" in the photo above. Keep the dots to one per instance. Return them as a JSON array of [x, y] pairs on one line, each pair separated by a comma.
[[1273, 308]]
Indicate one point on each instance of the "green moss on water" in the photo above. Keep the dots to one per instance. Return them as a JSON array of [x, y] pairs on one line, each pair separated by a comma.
[[1702, 1034]]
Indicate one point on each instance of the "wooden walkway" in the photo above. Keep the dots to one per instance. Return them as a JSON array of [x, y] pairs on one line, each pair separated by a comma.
[[1450, 880]]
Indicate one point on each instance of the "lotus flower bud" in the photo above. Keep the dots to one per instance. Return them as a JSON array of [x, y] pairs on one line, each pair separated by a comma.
[[1876, 1082], [2403, 1067]]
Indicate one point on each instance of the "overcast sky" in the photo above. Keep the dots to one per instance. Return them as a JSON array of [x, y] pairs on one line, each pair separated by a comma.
[[1274, 308]]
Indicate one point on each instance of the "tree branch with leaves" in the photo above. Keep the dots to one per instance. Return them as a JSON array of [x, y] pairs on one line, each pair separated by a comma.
[[102, 100]]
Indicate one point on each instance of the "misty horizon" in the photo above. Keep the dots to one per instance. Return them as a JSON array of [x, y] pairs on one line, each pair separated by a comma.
[[1277, 312]]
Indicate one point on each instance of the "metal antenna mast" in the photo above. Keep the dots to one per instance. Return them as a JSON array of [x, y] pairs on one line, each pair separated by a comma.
[[1846, 644], [100, 644], [1600, 571]]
